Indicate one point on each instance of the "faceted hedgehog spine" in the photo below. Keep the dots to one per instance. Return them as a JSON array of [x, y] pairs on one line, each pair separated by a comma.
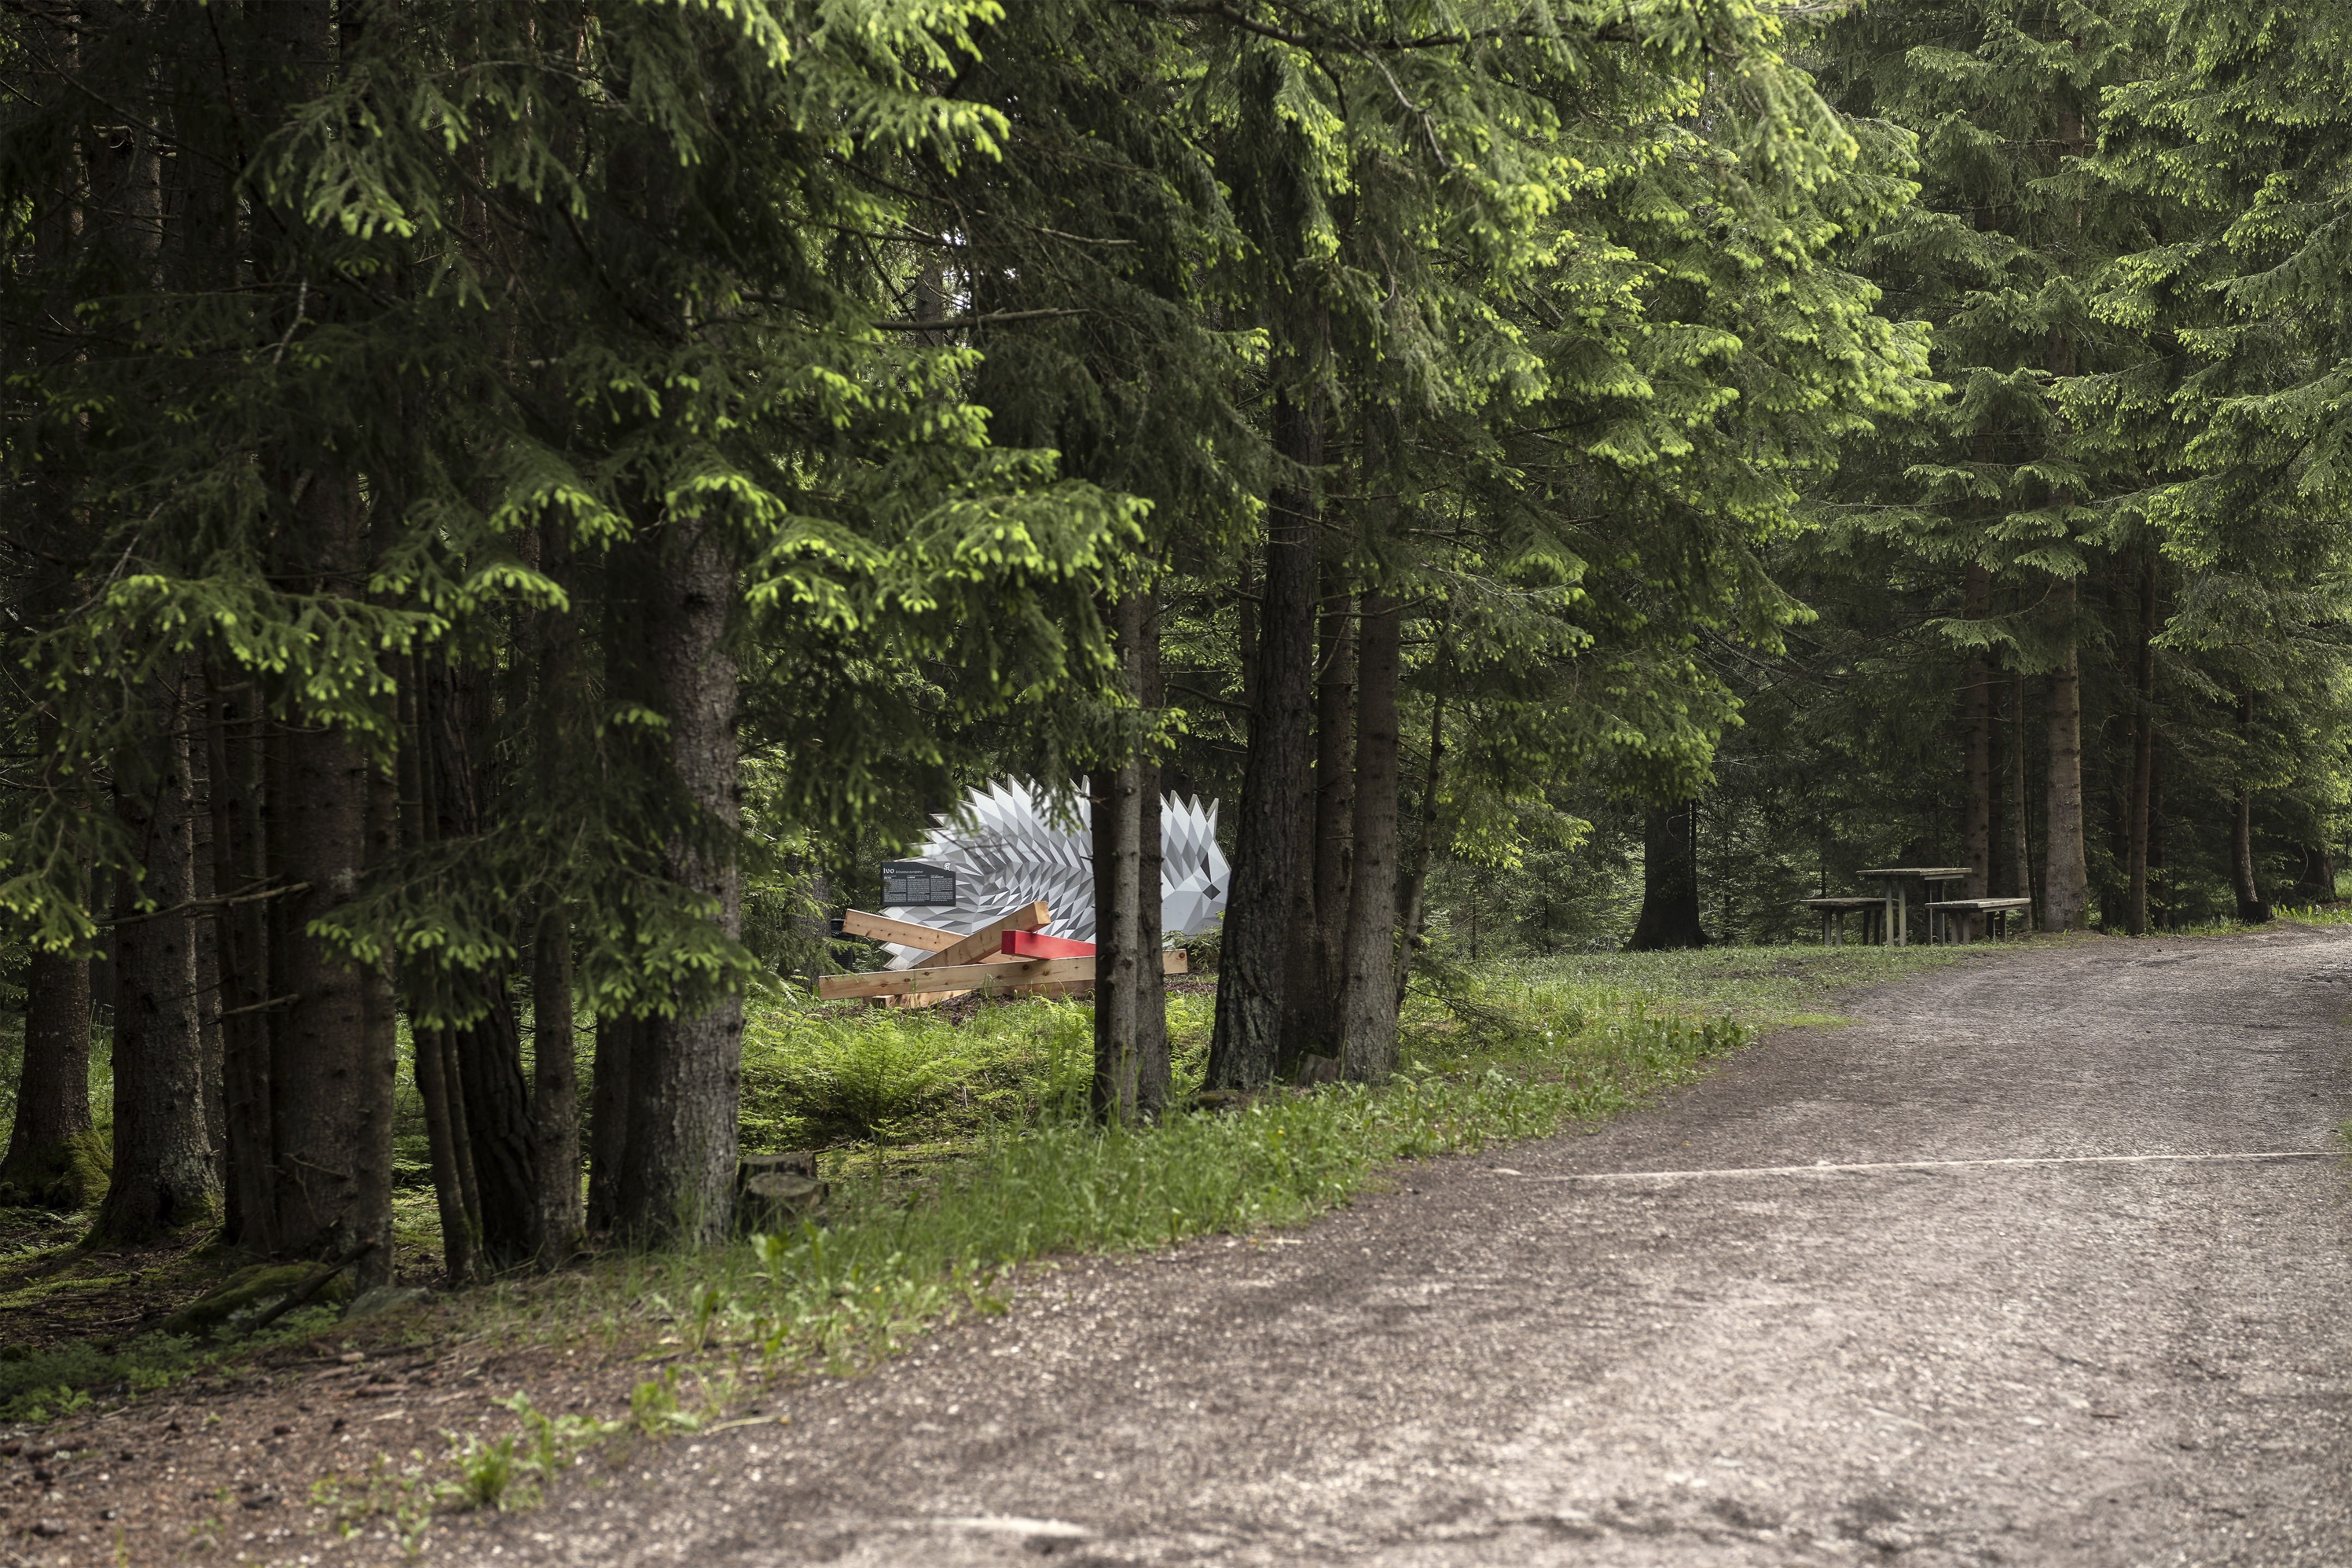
[[1006, 851]]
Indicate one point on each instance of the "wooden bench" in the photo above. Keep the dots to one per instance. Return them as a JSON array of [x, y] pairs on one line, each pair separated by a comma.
[[1990, 909], [1834, 910]]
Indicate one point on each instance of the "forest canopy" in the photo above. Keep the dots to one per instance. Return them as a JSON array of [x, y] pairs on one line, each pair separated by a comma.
[[516, 509]]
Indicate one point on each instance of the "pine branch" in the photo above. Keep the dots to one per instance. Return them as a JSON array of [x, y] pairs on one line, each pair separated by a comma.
[[218, 901], [956, 324], [1228, 12]]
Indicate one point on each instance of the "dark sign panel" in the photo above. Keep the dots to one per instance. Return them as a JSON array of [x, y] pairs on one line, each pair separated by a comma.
[[915, 882]]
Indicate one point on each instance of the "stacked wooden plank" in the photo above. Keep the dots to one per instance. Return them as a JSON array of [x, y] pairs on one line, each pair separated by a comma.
[[1006, 957]]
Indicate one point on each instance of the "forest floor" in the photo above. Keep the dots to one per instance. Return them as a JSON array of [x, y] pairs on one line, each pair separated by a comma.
[[1500, 1358]]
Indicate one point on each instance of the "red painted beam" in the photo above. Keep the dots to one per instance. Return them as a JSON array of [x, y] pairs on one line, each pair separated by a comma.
[[1035, 944]]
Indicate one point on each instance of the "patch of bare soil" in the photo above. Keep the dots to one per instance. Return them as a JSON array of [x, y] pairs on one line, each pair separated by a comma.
[[53, 1292], [328, 1447], [328, 1450]]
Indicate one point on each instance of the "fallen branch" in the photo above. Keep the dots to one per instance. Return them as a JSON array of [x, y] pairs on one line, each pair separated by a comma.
[[310, 1286]]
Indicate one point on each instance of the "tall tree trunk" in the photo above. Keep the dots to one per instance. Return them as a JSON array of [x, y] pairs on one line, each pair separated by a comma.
[[491, 1095], [1247, 611], [2143, 753], [556, 1132], [2066, 875], [1976, 826], [1412, 905], [1670, 916], [428, 1056], [1312, 1007], [1369, 994], [163, 1179], [234, 738], [628, 665], [1248, 1035], [2020, 834], [53, 1075], [319, 1067], [1151, 1063], [2317, 882], [2251, 909], [326, 1146], [608, 1120], [555, 1087], [679, 1172], [52, 1085], [556, 1093], [380, 1029], [1117, 819]]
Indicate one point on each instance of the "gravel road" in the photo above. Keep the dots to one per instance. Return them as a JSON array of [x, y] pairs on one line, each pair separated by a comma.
[[1999, 1275]]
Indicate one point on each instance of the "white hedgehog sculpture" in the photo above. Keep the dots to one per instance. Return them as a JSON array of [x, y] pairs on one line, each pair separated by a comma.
[[1005, 852]]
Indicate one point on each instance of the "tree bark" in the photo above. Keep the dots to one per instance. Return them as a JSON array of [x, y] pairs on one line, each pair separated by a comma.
[[428, 1056], [205, 932], [1670, 916], [678, 1177], [318, 1071], [608, 1120], [163, 1179], [1248, 1035], [1976, 827], [233, 737], [1413, 904], [53, 1075], [1117, 818], [52, 1085], [2066, 877], [2317, 882], [493, 1100], [2021, 836], [555, 1094], [1151, 1063], [2252, 909], [2143, 753], [380, 1058], [1312, 1006], [1370, 995], [461, 1142], [555, 1087]]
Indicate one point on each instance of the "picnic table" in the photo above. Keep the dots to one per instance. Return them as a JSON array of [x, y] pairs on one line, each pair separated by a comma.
[[1894, 894], [1984, 909], [1834, 910]]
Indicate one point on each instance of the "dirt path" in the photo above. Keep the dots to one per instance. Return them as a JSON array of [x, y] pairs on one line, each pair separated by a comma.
[[1535, 1358]]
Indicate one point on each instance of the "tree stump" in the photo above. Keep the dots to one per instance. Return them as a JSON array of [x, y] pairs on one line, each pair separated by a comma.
[[775, 1193]]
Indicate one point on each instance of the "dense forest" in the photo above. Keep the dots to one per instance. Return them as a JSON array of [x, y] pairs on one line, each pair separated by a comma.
[[515, 509]]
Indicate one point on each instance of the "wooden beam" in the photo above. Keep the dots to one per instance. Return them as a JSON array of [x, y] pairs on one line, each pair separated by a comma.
[[990, 938], [998, 977], [900, 933]]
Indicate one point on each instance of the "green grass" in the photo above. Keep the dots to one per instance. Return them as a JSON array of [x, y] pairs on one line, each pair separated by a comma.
[[959, 1150]]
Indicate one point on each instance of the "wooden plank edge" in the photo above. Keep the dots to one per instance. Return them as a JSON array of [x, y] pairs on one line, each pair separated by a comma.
[[990, 938], [900, 933], [998, 977]]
